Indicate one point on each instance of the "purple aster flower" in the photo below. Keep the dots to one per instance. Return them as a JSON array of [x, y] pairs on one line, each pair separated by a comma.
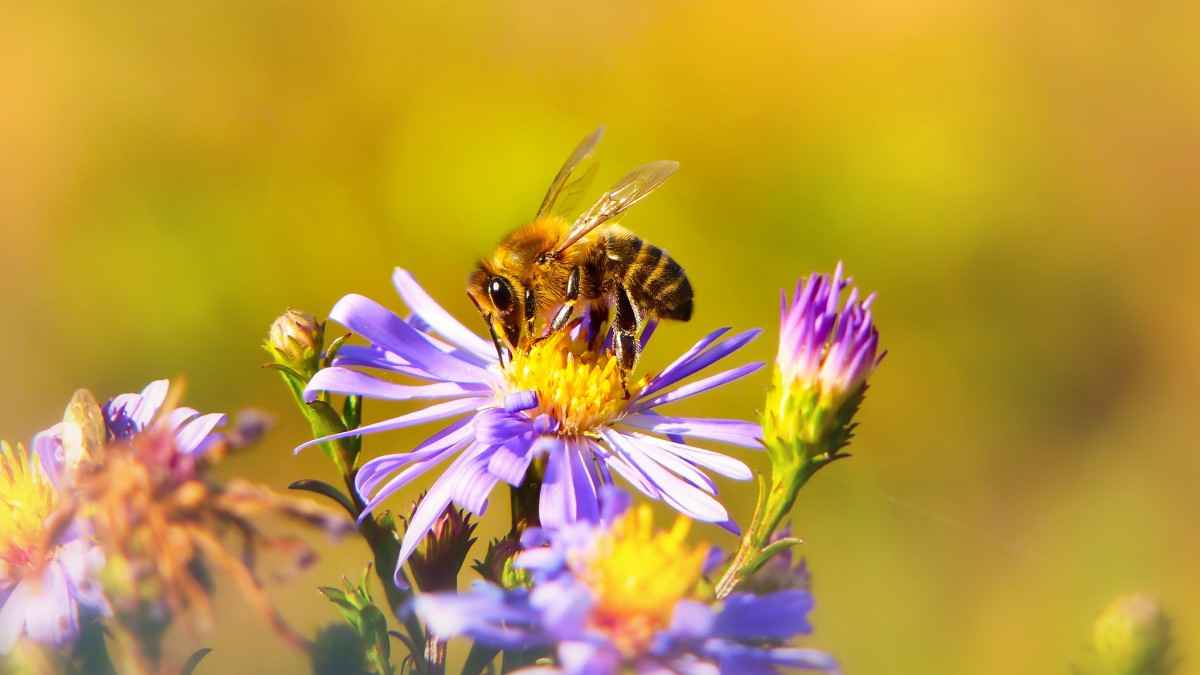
[[124, 416], [558, 400], [826, 352], [47, 572], [615, 596]]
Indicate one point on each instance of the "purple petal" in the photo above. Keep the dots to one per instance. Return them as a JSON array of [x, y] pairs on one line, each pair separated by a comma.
[[52, 616], [695, 349], [520, 400], [82, 562], [556, 501], [734, 432], [196, 436], [474, 484], [496, 425], [587, 658], [702, 360], [587, 503], [351, 382], [374, 356], [613, 503], [511, 460], [807, 659], [379, 325], [723, 464], [676, 465], [414, 471], [700, 386], [434, 412], [776, 616], [691, 620], [614, 458], [674, 491], [373, 472], [47, 445], [438, 318]]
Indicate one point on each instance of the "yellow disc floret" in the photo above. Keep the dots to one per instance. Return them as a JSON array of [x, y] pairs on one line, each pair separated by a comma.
[[26, 501], [637, 577], [580, 388]]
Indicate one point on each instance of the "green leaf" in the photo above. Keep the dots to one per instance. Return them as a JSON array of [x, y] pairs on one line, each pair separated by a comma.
[[326, 490], [772, 550], [194, 660]]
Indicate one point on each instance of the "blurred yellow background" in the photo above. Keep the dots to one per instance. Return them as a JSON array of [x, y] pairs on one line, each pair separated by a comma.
[[1017, 180]]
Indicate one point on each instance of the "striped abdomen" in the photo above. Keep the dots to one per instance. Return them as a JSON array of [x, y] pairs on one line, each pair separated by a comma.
[[656, 283]]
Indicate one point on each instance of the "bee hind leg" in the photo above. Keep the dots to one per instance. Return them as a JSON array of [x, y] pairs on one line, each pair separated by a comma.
[[626, 326]]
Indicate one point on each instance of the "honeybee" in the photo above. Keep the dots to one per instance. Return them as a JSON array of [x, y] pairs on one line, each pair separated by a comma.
[[546, 270]]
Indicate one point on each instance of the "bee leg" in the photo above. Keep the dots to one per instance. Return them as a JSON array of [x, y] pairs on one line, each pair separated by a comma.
[[563, 316], [502, 351], [626, 326]]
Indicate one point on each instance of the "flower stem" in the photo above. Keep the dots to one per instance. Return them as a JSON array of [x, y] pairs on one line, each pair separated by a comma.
[[772, 507], [91, 651]]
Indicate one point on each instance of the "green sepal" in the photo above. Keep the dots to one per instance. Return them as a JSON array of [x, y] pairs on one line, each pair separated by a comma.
[[332, 350]]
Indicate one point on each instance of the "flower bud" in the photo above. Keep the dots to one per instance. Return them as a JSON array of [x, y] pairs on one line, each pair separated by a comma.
[[436, 563], [295, 340], [497, 564], [1132, 636], [826, 353]]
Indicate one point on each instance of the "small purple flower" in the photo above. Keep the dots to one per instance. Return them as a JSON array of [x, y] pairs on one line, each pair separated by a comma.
[[125, 416], [614, 596], [558, 400], [822, 345], [47, 579], [827, 350]]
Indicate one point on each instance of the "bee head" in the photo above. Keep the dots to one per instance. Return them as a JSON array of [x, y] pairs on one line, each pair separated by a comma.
[[506, 303]]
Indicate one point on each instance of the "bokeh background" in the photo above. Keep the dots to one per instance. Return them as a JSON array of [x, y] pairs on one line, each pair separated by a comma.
[[1017, 180]]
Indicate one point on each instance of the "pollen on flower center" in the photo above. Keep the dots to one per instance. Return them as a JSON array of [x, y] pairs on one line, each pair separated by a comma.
[[579, 388], [638, 576], [26, 501]]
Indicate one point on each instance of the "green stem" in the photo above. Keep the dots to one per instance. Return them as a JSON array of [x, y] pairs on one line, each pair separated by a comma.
[[91, 651], [772, 507], [386, 551]]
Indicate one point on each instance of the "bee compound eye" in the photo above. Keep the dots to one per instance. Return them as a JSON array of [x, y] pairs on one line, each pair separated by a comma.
[[501, 294]]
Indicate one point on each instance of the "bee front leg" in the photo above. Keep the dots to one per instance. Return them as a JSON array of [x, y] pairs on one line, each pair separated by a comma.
[[627, 324], [563, 316]]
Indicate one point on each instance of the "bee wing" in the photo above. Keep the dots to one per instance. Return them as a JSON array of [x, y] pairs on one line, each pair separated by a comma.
[[563, 188], [627, 192]]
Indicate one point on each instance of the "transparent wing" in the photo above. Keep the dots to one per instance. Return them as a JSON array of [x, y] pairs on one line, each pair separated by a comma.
[[573, 177], [627, 192]]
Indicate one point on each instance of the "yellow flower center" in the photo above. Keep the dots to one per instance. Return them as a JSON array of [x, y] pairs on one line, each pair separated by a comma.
[[26, 500], [580, 388], [637, 576]]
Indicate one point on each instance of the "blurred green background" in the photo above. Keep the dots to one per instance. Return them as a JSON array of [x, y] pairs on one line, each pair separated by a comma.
[[1017, 180]]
